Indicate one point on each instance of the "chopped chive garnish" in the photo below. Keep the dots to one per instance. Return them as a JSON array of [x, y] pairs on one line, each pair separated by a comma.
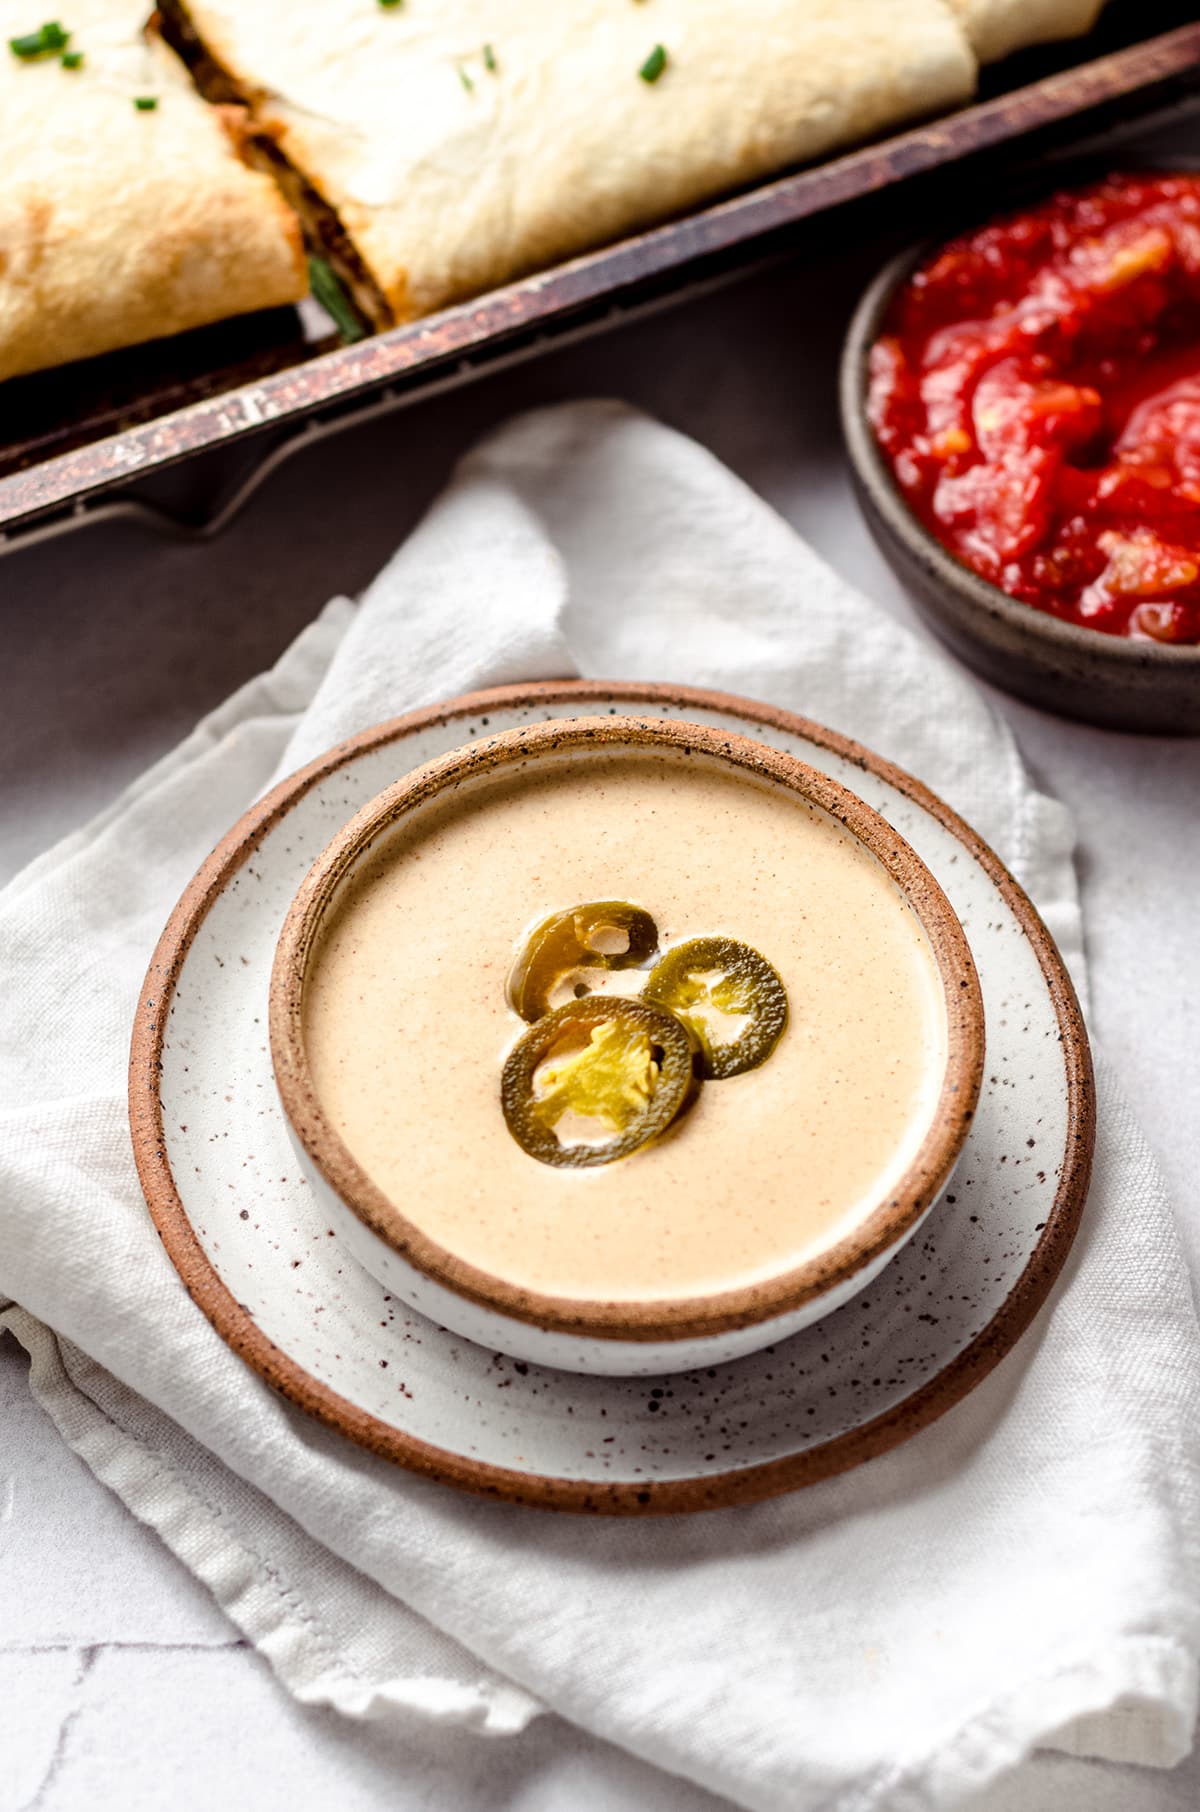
[[72, 59], [654, 65], [40, 43], [390, 4], [489, 59], [465, 79], [327, 290], [145, 103]]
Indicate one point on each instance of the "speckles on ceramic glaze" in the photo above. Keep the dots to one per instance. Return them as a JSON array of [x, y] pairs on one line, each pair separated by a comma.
[[228, 1151]]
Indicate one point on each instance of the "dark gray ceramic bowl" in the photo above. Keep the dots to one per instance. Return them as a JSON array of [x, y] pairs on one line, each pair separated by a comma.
[[1103, 679]]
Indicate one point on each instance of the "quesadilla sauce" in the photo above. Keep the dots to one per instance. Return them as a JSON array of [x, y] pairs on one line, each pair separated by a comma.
[[407, 1025]]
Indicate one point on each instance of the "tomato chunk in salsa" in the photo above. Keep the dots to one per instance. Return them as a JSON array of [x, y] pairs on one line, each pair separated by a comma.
[[1036, 391]]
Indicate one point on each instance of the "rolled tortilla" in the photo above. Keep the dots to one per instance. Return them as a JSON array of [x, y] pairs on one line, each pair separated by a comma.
[[998, 27], [462, 143], [119, 225]]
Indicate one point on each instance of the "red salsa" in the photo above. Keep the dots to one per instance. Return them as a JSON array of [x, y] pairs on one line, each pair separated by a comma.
[[1036, 390]]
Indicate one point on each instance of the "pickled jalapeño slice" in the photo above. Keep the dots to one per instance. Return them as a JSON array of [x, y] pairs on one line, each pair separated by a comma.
[[594, 1080], [600, 934], [728, 996]]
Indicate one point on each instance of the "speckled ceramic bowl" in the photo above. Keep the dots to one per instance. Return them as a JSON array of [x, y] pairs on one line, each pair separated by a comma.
[[1103, 679], [626, 1337]]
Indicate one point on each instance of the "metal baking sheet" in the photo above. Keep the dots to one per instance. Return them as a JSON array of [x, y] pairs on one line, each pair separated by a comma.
[[94, 437]]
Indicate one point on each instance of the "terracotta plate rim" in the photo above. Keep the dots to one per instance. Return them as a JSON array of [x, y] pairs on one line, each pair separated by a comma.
[[744, 1484]]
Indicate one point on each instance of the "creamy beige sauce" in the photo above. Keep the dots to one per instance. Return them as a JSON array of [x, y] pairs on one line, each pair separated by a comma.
[[407, 1026]]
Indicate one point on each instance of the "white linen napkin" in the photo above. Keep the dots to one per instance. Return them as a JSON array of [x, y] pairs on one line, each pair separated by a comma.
[[1025, 1572]]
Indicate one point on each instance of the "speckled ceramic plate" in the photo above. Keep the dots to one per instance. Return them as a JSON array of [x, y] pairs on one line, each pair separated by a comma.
[[258, 1257]]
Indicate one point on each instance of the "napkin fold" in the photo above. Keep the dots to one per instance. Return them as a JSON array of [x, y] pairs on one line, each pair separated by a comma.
[[1025, 1572]]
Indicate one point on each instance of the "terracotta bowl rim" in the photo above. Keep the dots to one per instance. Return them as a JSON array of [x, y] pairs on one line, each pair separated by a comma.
[[1121, 654], [668, 1319]]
